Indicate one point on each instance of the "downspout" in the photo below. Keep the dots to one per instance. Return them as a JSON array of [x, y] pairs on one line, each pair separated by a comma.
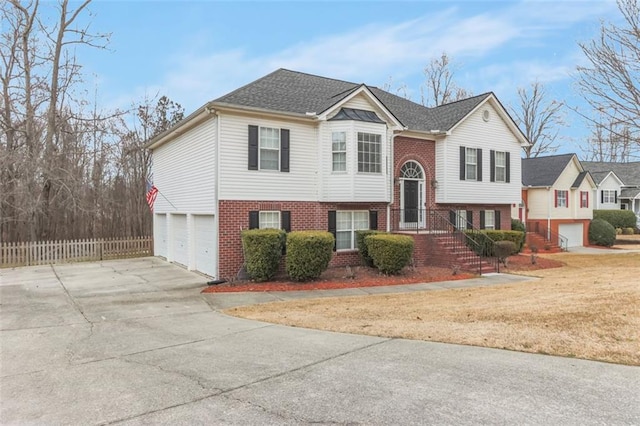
[[217, 193], [548, 212], [391, 180]]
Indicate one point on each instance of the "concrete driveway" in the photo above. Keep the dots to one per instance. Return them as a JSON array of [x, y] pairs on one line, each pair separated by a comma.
[[135, 342]]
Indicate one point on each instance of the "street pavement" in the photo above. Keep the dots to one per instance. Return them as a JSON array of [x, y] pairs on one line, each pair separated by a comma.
[[134, 342]]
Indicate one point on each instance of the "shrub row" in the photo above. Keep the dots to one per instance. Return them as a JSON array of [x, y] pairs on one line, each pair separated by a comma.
[[389, 252], [484, 246], [308, 254], [262, 252], [617, 218], [362, 246]]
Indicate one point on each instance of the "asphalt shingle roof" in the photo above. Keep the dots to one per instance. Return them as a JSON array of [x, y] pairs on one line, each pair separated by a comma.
[[543, 171], [629, 173], [629, 192], [295, 92], [579, 179]]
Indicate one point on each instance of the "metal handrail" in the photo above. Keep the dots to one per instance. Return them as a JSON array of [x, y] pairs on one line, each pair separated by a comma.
[[483, 251], [549, 235]]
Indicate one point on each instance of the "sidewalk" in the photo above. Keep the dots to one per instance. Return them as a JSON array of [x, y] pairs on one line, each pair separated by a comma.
[[221, 301]]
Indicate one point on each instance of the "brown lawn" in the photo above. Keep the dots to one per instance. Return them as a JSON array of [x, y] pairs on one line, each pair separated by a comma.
[[589, 309]]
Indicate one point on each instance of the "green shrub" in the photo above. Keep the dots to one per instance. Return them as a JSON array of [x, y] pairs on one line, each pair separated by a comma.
[[618, 231], [390, 252], [517, 225], [617, 218], [504, 249], [484, 237], [362, 247], [601, 233], [628, 231], [262, 252], [308, 254]]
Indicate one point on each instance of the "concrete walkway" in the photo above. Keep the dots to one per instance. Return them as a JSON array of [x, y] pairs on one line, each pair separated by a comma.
[[134, 342]]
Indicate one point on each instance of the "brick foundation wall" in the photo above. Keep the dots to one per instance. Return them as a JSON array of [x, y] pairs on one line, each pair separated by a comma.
[[305, 215]]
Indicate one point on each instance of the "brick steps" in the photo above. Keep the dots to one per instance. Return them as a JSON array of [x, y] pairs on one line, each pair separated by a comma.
[[462, 256], [536, 240]]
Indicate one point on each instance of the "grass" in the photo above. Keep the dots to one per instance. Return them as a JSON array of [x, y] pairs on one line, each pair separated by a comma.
[[588, 309]]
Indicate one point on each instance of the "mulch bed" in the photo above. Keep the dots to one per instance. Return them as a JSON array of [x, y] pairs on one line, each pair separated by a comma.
[[335, 278], [522, 262]]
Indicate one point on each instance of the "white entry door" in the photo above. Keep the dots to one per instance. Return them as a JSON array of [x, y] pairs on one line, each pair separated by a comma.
[[180, 239], [205, 244]]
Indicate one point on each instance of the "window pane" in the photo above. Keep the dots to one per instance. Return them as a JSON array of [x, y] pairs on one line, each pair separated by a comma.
[[343, 221], [499, 174], [343, 240], [269, 159], [361, 220], [269, 220], [489, 219], [471, 156], [339, 141], [269, 138], [339, 161], [369, 157], [500, 159], [471, 171]]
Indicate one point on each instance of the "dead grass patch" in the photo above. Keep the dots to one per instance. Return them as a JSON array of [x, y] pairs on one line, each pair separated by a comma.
[[589, 309]]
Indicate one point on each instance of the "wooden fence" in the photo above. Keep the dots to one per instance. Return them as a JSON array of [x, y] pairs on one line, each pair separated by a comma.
[[49, 252]]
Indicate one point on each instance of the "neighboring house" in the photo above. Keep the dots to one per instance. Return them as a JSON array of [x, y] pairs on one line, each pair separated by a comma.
[[298, 151], [618, 185], [558, 196]]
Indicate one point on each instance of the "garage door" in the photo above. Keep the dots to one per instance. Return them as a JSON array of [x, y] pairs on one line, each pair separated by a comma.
[[205, 244], [180, 239], [160, 235], [572, 232]]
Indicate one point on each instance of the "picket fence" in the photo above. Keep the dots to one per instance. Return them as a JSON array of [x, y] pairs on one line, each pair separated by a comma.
[[52, 252]]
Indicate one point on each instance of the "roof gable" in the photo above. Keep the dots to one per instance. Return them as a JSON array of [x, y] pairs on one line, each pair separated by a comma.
[[544, 171], [627, 173]]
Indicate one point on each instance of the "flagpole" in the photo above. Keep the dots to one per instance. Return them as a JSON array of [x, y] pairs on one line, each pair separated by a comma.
[[163, 196]]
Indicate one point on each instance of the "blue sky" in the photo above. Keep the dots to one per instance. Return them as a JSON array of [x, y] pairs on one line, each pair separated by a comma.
[[195, 51]]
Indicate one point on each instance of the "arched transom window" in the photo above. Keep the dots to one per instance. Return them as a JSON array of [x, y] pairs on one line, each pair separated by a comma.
[[411, 170]]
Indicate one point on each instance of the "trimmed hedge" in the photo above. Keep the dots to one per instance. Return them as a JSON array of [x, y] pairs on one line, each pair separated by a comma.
[[362, 247], [517, 225], [484, 247], [308, 254], [390, 252], [504, 249], [262, 252], [617, 218], [628, 231], [601, 233]]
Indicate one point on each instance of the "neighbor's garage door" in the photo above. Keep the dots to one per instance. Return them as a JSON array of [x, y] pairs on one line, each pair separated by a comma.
[[573, 233], [180, 239], [160, 235], [205, 244]]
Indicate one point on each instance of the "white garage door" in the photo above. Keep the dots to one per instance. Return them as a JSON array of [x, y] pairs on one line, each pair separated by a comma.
[[160, 235], [180, 239], [205, 244], [572, 232]]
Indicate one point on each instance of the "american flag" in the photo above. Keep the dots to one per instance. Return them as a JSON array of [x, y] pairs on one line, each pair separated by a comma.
[[152, 193]]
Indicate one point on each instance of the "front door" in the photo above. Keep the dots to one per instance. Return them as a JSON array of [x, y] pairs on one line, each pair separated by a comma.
[[411, 198]]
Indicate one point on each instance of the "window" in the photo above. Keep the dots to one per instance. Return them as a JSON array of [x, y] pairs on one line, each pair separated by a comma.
[[461, 219], [609, 196], [501, 166], [489, 219], [369, 158], [562, 199], [269, 220], [339, 151], [584, 199], [269, 148], [471, 164], [347, 222]]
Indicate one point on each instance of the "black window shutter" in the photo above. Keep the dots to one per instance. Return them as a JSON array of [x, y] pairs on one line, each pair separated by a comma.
[[479, 151], [492, 164], [284, 150], [452, 218], [253, 147], [602, 196], [469, 219], [482, 217], [507, 176], [463, 163], [615, 196], [254, 219], [497, 219], [285, 219], [332, 226], [373, 219]]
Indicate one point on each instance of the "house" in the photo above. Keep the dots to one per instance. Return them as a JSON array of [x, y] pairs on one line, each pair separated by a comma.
[[299, 151], [558, 197], [618, 185]]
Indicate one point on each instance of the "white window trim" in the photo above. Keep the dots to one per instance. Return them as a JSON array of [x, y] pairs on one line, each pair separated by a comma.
[[563, 199], [260, 148], [492, 215], [468, 163], [582, 194], [261, 221], [339, 152], [352, 246], [609, 196], [380, 150], [501, 166], [461, 219]]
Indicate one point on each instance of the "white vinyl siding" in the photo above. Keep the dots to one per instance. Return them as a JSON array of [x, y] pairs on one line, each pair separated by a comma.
[[487, 135], [347, 222], [339, 151], [239, 183], [269, 220], [184, 171]]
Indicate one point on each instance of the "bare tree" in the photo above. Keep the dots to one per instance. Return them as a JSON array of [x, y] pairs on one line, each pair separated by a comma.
[[439, 86], [610, 83], [539, 118], [611, 141]]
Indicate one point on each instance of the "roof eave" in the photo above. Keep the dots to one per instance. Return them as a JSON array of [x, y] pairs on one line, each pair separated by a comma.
[[182, 126]]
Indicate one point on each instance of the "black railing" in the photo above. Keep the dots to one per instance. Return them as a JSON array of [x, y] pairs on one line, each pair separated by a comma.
[[550, 237], [473, 247]]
